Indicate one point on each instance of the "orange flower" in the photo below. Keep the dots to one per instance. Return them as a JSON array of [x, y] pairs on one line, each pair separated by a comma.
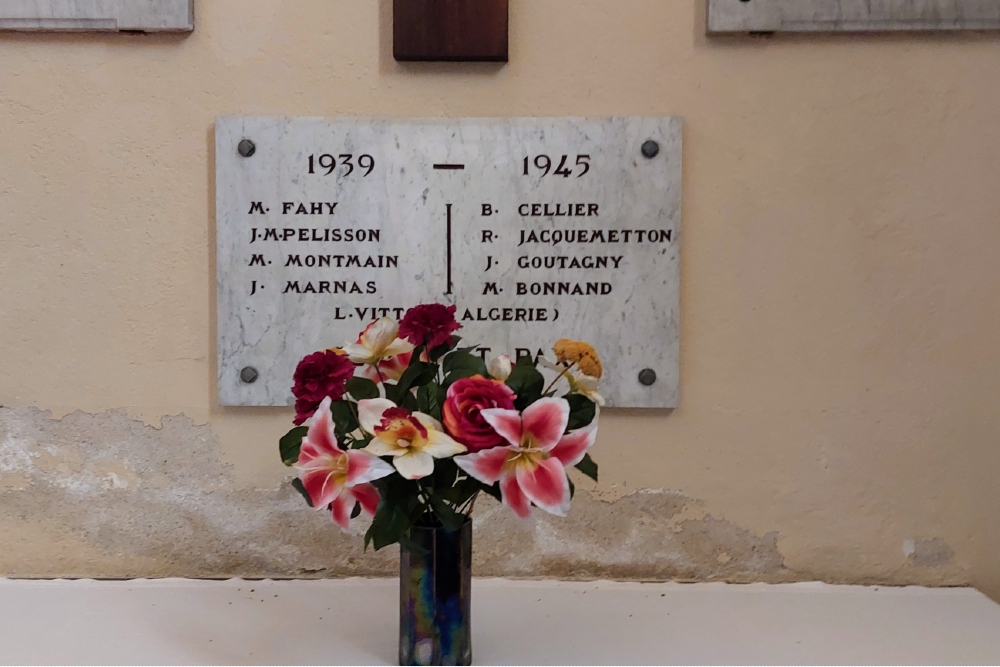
[[582, 354]]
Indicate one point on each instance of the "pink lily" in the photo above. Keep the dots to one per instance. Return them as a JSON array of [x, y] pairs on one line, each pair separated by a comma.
[[336, 478], [532, 469]]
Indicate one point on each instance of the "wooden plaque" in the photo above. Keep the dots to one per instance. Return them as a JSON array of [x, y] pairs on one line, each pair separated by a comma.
[[450, 30]]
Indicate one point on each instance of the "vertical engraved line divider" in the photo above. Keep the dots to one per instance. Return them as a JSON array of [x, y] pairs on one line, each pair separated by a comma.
[[448, 244]]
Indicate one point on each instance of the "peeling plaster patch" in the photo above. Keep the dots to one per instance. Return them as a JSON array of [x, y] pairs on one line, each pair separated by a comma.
[[153, 502], [105, 495], [933, 552], [644, 535], [144, 501]]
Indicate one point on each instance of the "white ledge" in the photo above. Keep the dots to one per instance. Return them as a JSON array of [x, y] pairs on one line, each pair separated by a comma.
[[354, 621]]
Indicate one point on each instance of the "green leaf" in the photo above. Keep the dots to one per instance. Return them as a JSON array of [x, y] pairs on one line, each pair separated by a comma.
[[290, 444], [418, 374], [526, 382], [397, 512], [449, 518], [582, 411], [430, 398], [464, 360], [493, 491], [572, 488], [297, 483], [410, 402], [362, 388], [588, 467], [356, 511], [344, 421], [439, 351]]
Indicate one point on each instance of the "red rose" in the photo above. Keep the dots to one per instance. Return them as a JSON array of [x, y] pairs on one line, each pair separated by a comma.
[[430, 324], [466, 398], [317, 376]]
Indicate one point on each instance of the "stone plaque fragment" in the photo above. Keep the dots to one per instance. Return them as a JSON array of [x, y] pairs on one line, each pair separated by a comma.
[[535, 229], [108, 15], [741, 16]]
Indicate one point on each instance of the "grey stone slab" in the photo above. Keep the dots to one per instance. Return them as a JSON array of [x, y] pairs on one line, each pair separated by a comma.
[[107, 15], [740, 16], [306, 260]]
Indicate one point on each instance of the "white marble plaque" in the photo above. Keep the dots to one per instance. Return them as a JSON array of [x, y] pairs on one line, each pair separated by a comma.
[[726, 16], [108, 15], [534, 228]]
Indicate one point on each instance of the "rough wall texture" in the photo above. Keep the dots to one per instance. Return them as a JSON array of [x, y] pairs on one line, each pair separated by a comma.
[[120, 498], [839, 357]]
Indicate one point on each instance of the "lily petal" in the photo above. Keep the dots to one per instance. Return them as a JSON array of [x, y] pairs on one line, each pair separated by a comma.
[[362, 468], [321, 435], [573, 446], [368, 496], [507, 423], [428, 422], [370, 412], [546, 420], [414, 465], [320, 482], [486, 466], [398, 346], [358, 353], [380, 447], [547, 486], [514, 498], [380, 334], [440, 445], [341, 509]]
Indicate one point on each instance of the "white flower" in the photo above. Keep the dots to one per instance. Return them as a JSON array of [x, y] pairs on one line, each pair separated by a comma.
[[412, 439], [378, 341], [499, 368], [579, 382]]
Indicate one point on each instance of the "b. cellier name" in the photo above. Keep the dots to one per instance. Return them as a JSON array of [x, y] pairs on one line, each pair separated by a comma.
[[557, 236], [315, 235]]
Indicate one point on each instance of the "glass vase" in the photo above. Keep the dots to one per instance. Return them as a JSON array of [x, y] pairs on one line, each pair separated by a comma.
[[435, 597]]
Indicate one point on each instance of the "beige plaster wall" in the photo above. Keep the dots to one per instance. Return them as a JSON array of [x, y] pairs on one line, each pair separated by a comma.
[[840, 353]]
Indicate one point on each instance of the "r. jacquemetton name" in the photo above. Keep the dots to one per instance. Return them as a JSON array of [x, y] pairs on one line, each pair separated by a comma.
[[557, 236]]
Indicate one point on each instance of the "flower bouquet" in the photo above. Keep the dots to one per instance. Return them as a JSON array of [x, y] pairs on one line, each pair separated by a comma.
[[408, 427]]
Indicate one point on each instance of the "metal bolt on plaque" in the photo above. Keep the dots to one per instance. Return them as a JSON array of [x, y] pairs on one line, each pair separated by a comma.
[[647, 377], [247, 148], [650, 149], [249, 375]]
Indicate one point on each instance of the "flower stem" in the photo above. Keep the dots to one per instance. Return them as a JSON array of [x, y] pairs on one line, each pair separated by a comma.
[[559, 377], [378, 372]]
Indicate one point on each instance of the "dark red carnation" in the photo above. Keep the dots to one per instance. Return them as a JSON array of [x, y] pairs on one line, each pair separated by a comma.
[[317, 376], [431, 324]]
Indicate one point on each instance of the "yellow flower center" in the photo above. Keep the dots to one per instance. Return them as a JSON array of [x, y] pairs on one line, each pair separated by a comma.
[[403, 432], [527, 455]]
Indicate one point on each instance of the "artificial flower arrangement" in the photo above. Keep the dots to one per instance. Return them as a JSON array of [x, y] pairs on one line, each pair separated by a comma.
[[409, 427]]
